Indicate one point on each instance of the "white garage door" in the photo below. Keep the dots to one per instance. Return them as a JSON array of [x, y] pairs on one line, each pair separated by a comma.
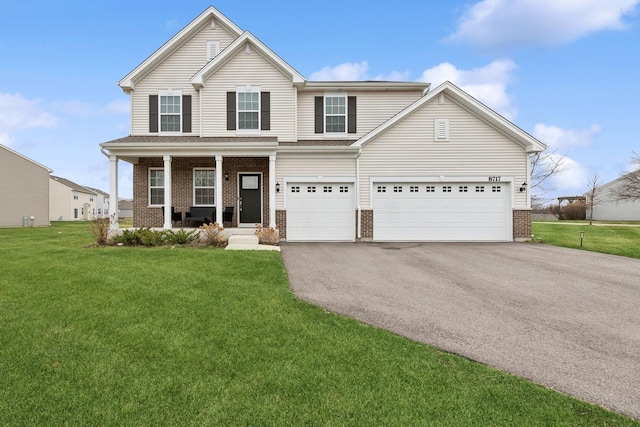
[[320, 211], [441, 211]]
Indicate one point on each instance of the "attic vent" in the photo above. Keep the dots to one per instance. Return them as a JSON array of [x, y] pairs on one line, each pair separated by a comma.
[[213, 48], [441, 129]]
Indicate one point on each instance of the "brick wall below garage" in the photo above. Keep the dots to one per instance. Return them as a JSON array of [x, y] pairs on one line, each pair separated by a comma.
[[281, 223], [366, 224], [521, 224]]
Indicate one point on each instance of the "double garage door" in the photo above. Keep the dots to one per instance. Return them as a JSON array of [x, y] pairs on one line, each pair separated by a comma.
[[402, 211], [421, 211], [321, 212]]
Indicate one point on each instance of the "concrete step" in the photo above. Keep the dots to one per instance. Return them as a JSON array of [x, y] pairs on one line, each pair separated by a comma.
[[242, 242]]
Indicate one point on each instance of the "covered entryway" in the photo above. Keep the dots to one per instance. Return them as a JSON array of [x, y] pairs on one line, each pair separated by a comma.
[[442, 211], [320, 211], [250, 199]]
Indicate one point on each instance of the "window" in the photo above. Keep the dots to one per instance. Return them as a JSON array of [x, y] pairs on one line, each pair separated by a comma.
[[75, 213], [344, 189], [446, 189], [91, 197], [335, 109], [204, 187], [462, 189], [75, 195], [170, 111], [328, 189], [156, 187], [431, 188], [248, 110], [295, 189], [397, 189], [495, 189], [382, 189], [413, 189], [479, 188], [311, 189]]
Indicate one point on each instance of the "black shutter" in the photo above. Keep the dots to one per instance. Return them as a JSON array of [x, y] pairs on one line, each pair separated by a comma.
[[319, 114], [265, 110], [186, 113], [153, 113], [351, 119], [231, 111]]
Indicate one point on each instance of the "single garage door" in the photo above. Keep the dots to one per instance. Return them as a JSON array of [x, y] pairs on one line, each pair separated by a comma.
[[441, 211], [321, 211]]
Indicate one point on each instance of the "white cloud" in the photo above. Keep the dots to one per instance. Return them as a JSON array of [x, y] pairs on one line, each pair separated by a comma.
[[18, 113], [488, 84], [119, 106], [566, 139], [352, 71], [572, 179], [500, 24], [6, 139]]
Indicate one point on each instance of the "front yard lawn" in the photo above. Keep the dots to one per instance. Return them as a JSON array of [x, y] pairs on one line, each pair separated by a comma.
[[609, 238], [200, 336]]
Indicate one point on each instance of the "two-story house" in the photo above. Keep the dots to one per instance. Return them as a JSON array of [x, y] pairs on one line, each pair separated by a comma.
[[70, 201], [219, 120]]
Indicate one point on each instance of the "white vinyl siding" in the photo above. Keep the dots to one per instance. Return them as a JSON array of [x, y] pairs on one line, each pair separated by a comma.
[[249, 69], [373, 108], [175, 72], [326, 167], [474, 149]]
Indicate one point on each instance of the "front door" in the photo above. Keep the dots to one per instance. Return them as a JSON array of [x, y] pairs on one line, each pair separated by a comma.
[[250, 199]]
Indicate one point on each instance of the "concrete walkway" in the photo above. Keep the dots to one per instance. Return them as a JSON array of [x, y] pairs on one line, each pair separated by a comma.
[[564, 318]]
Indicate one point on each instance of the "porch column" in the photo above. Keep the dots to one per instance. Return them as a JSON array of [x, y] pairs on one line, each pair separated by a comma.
[[219, 182], [113, 193], [167, 192], [272, 191]]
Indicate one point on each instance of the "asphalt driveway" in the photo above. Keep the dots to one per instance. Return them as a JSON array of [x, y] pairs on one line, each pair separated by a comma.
[[564, 318]]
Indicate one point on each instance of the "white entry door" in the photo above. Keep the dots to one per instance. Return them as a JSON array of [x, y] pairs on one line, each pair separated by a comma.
[[320, 212], [417, 211]]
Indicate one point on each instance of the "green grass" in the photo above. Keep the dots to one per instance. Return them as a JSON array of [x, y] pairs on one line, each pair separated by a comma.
[[606, 238], [191, 336]]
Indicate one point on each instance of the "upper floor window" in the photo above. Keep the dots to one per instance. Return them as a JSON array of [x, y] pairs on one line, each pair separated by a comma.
[[204, 187], [170, 111], [156, 187], [91, 197], [248, 110], [335, 114], [75, 195]]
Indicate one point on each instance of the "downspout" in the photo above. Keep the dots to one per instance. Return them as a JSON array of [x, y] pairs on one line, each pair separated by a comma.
[[358, 211]]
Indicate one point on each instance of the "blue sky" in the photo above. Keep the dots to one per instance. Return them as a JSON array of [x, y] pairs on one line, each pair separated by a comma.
[[564, 71]]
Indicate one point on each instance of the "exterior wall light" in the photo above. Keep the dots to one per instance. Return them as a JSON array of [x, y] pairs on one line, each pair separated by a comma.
[[226, 176], [523, 187], [277, 187]]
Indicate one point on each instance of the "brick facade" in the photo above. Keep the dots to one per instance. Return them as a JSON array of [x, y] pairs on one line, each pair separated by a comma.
[[366, 224], [182, 185], [281, 223], [522, 224]]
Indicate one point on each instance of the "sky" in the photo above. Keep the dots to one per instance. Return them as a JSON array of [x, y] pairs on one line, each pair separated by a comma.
[[564, 71]]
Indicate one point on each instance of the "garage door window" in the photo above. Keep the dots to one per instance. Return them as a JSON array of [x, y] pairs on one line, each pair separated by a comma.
[[495, 189], [311, 189], [328, 189], [446, 189], [413, 189], [344, 189], [479, 188], [295, 189], [382, 189], [431, 189], [462, 189], [397, 189]]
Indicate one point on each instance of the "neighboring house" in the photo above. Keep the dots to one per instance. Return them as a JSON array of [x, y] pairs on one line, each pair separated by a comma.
[[102, 203], [219, 120], [125, 209], [606, 208], [71, 201], [24, 190]]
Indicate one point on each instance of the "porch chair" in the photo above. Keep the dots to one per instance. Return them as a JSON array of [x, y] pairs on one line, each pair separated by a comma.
[[227, 214], [175, 216]]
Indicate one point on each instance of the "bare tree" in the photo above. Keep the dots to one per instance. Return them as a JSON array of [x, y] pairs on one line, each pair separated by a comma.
[[593, 195], [629, 188], [543, 166]]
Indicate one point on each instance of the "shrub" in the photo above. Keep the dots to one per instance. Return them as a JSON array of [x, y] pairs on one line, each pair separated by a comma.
[[267, 235], [213, 235], [181, 237], [575, 210], [99, 229], [150, 237], [129, 237]]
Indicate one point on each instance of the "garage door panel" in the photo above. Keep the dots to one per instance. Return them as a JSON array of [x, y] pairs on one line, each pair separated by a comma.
[[441, 212], [320, 212]]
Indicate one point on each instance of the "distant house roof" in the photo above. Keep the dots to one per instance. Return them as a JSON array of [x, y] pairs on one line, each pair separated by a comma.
[[125, 204], [72, 185], [98, 191]]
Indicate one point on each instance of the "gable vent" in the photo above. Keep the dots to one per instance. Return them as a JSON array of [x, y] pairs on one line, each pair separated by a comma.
[[441, 127], [213, 49]]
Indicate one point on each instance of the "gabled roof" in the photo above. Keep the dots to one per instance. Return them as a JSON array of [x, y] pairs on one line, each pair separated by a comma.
[[365, 85], [26, 158], [522, 138], [72, 185], [99, 192], [246, 39], [129, 81]]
